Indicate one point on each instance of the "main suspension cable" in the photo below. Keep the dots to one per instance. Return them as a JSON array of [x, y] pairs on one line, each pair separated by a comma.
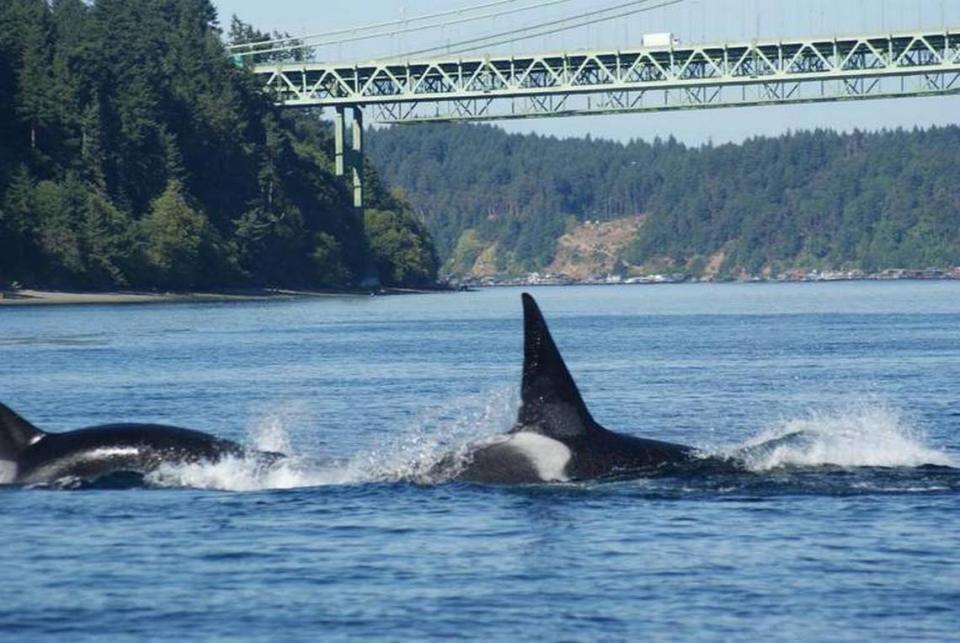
[[482, 42], [357, 33]]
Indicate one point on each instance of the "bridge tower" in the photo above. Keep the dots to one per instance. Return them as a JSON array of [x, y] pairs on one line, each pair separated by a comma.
[[351, 160]]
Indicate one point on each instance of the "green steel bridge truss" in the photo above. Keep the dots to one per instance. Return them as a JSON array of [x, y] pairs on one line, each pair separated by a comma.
[[641, 80], [650, 79]]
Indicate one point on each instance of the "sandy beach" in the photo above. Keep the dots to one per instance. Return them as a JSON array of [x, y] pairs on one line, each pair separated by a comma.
[[29, 297]]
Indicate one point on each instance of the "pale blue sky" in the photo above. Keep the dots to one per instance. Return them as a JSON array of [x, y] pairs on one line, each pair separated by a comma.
[[690, 20]]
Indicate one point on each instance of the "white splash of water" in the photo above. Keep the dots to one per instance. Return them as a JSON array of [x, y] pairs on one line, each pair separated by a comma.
[[271, 435], [435, 444], [436, 437], [861, 435], [250, 474]]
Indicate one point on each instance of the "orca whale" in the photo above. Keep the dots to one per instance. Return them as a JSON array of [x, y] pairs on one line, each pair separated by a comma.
[[31, 456], [555, 438]]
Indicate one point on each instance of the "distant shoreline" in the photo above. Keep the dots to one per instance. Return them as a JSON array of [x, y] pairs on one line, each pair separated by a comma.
[[536, 279], [31, 297]]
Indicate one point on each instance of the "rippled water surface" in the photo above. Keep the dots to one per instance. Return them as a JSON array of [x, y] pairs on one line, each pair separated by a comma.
[[848, 532]]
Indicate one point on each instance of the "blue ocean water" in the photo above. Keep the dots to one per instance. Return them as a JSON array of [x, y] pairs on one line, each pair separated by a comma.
[[840, 536]]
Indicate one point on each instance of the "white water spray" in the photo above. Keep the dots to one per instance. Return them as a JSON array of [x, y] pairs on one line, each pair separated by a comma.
[[861, 435], [410, 454], [435, 443]]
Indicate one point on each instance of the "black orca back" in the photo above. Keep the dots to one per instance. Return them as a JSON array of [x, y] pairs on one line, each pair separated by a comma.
[[97, 451], [29, 455]]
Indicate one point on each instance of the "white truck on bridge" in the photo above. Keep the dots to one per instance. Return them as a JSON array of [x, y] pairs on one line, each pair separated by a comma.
[[662, 39]]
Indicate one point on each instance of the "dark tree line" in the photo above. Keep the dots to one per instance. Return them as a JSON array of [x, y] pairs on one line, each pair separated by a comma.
[[134, 152], [806, 200]]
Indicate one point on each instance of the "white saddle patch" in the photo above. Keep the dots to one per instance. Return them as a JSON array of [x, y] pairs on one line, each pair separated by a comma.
[[8, 471], [548, 456]]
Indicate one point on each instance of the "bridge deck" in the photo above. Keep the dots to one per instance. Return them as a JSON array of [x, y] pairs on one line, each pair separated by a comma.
[[645, 79]]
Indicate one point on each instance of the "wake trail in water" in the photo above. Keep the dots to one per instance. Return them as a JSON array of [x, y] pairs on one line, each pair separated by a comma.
[[427, 451]]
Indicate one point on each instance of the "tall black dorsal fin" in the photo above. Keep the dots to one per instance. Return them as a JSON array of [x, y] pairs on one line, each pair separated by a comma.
[[16, 434], [551, 403]]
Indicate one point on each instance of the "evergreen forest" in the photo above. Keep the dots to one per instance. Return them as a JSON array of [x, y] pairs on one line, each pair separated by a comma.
[[808, 200], [134, 153]]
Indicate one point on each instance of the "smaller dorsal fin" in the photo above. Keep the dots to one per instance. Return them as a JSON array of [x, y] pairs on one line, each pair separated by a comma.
[[16, 434], [550, 401]]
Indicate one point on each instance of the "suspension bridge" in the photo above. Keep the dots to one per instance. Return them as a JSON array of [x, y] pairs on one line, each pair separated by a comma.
[[664, 77]]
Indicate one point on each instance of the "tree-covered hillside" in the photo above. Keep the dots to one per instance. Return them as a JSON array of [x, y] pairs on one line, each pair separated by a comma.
[[814, 200], [133, 152]]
